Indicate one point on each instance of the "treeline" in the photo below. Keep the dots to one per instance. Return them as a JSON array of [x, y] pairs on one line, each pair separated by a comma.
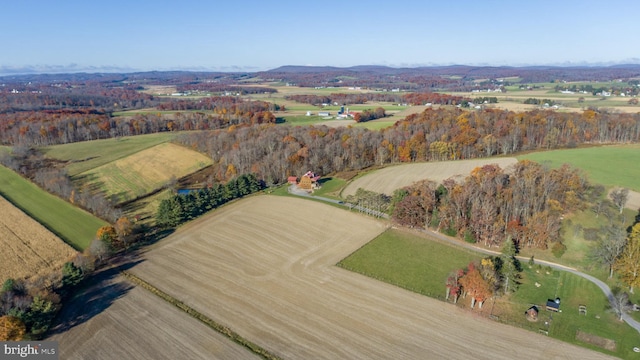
[[345, 99], [222, 105], [29, 306], [224, 88], [418, 98], [368, 115], [99, 98], [432, 98], [534, 101], [524, 203], [33, 165], [180, 208], [275, 152], [45, 128]]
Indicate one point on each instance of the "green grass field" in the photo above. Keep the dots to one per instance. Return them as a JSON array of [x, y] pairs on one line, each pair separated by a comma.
[[614, 165], [572, 291], [145, 171], [87, 155], [422, 265], [73, 225], [408, 261]]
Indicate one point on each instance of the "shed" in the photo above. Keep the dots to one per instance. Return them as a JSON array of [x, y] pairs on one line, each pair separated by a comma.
[[293, 180], [553, 305], [532, 313]]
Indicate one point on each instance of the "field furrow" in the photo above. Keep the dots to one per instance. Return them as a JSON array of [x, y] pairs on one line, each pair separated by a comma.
[[391, 178]]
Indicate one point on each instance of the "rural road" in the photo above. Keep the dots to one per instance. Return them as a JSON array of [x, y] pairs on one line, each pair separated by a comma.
[[604, 287]]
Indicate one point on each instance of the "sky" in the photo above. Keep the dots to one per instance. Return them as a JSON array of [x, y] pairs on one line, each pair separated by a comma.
[[135, 35]]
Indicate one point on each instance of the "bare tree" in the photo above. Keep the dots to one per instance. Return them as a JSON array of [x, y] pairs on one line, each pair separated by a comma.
[[99, 249], [610, 246], [619, 198], [619, 303]]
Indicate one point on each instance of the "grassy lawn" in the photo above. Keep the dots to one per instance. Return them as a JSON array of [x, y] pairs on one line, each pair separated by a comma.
[[330, 187], [409, 261], [572, 291], [615, 165], [87, 155], [422, 265], [73, 225]]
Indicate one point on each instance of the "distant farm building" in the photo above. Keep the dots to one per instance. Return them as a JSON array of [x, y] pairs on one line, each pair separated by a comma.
[[324, 113], [293, 180]]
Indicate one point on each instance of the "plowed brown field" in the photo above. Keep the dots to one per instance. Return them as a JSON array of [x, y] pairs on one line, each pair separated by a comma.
[[28, 248], [264, 266], [387, 180], [137, 324]]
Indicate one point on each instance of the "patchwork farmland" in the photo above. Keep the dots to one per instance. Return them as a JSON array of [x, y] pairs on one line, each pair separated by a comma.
[[389, 179], [265, 267], [145, 171], [28, 248]]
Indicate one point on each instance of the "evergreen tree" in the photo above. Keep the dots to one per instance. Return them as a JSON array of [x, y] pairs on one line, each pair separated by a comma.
[[510, 269], [71, 275]]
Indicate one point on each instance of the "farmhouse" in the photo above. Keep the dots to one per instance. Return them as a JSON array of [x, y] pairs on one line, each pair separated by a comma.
[[309, 181]]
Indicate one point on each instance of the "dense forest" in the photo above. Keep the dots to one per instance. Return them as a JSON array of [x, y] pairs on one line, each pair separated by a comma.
[[275, 152], [523, 203], [48, 127]]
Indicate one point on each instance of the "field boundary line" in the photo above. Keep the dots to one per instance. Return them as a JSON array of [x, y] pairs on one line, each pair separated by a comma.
[[232, 335]]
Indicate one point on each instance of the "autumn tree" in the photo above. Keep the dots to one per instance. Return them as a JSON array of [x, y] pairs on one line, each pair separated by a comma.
[[11, 328], [453, 285], [475, 286], [123, 228], [107, 234], [628, 263]]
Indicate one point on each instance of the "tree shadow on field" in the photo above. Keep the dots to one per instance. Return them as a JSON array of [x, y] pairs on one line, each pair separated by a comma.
[[96, 295]]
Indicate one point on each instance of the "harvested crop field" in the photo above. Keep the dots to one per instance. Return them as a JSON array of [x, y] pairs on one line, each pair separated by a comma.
[[28, 248], [389, 179], [145, 171], [117, 321], [265, 267]]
